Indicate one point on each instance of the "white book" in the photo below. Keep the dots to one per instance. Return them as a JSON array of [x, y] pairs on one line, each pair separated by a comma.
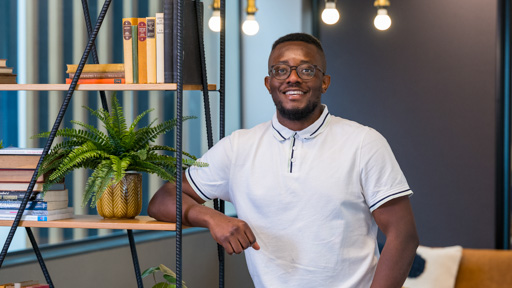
[[38, 217], [160, 78], [11, 212]]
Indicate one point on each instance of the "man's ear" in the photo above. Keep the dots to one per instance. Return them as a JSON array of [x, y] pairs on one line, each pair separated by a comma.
[[326, 81], [267, 83]]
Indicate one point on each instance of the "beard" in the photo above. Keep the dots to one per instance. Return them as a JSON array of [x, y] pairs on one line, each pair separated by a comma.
[[297, 114]]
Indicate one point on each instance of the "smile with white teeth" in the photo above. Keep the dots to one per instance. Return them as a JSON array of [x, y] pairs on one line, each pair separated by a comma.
[[294, 92]]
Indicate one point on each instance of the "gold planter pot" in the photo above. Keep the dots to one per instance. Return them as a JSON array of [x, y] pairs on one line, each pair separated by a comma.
[[123, 200]]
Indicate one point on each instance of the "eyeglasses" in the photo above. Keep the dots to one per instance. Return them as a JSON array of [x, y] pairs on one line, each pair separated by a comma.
[[283, 71]]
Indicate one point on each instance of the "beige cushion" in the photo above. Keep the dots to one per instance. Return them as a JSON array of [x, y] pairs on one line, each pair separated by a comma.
[[441, 266]]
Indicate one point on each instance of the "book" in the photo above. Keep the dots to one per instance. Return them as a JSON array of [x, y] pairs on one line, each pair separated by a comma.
[[24, 284], [159, 20], [3, 62], [6, 70], [20, 151], [28, 161], [141, 51], [108, 67], [135, 58], [24, 186], [18, 175], [38, 218], [98, 81], [128, 49], [20, 158], [98, 75], [34, 205], [8, 79], [11, 212], [151, 49], [50, 195], [191, 64], [169, 36]]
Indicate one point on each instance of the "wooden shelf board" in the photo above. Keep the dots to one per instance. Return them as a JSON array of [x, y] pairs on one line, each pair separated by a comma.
[[101, 87], [97, 222]]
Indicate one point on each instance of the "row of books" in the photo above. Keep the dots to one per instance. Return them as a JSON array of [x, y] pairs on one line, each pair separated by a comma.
[[150, 45], [6, 75], [17, 167], [150, 50], [25, 284]]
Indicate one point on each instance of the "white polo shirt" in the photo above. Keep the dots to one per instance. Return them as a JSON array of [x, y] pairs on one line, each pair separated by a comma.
[[308, 197]]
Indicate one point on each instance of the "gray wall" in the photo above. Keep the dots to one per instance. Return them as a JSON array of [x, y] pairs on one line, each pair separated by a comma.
[[113, 267], [428, 84]]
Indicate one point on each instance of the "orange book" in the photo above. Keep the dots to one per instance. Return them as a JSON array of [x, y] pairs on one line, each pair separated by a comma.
[[141, 50], [98, 81], [151, 49]]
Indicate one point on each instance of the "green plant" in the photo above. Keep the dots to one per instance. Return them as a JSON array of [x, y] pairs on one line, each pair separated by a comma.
[[1, 144], [169, 276], [111, 154]]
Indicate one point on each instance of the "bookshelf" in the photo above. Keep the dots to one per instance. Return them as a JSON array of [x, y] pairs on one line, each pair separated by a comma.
[[140, 222], [102, 87], [97, 222]]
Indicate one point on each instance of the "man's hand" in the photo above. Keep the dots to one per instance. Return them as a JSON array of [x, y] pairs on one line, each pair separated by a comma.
[[232, 233]]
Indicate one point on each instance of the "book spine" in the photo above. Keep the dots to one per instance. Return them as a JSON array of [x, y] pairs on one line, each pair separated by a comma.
[[135, 58], [142, 51], [19, 195], [21, 151], [10, 212], [169, 41], [98, 81], [151, 49], [159, 20], [31, 205], [38, 217], [98, 75], [128, 50], [109, 67]]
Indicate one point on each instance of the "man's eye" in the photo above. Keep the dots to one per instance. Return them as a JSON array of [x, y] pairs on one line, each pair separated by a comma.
[[281, 71]]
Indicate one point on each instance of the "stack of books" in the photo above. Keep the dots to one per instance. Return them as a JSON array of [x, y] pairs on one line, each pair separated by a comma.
[[112, 73], [17, 167], [24, 284], [6, 75], [150, 45]]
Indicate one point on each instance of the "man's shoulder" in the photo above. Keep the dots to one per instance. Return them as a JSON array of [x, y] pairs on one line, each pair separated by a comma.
[[253, 131], [339, 123]]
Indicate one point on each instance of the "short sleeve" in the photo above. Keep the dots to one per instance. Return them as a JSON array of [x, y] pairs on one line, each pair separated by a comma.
[[381, 177], [212, 182]]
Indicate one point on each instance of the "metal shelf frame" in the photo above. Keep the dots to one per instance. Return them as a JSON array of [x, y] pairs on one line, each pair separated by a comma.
[[90, 48]]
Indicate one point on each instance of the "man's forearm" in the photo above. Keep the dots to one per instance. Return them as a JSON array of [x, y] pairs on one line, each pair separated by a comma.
[[395, 263]]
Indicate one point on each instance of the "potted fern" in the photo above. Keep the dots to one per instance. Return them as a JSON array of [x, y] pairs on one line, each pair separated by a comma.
[[113, 156], [168, 275]]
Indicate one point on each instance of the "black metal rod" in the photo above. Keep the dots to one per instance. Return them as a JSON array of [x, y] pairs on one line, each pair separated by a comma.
[[222, 125], [39, 256], [53, 132], [87, 16], [135, 259], [179, 151]]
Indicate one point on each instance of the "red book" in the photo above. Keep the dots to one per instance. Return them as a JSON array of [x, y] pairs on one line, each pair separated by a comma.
[[98, 81]]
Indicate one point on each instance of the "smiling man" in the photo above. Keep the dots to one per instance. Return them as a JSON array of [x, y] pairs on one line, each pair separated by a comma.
[[310, 189]]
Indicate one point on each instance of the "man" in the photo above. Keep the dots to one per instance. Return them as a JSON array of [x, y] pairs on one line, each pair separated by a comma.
[[309, 188]]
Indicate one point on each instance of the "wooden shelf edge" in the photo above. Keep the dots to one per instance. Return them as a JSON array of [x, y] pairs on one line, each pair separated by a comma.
[[97, 222], [102, 87]]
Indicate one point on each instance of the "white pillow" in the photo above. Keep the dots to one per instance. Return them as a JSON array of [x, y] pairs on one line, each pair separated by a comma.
[[441, 266]]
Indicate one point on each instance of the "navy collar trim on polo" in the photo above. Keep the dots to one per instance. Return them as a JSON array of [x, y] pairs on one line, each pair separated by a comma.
[[282, 133]]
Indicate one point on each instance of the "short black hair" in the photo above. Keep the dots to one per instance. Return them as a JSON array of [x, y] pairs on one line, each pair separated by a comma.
[[302, 37]]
